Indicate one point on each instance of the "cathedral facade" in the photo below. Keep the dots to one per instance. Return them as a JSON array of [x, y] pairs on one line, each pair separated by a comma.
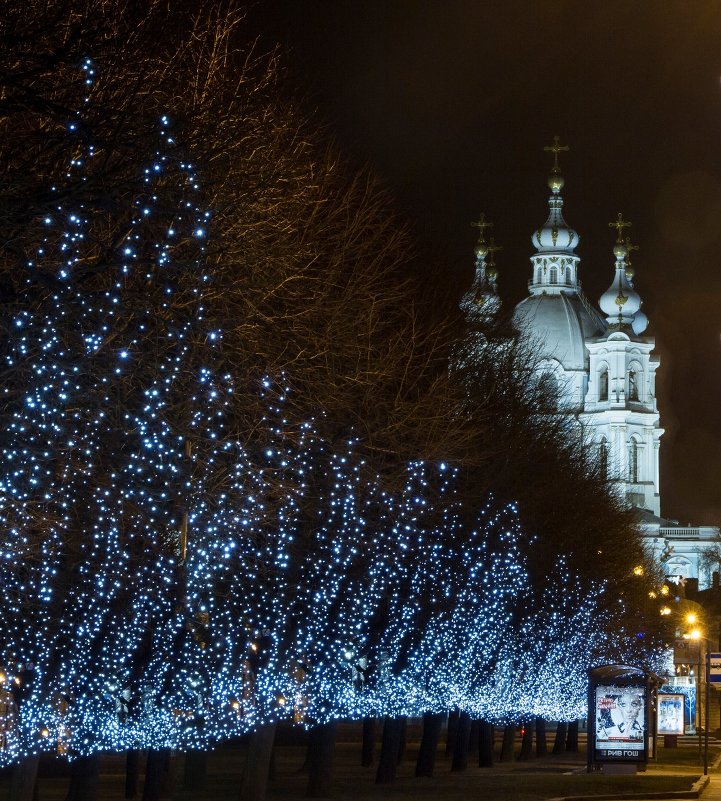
[[604, 365]]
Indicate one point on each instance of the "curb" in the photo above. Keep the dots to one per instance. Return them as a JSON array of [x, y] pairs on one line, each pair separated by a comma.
[[695, 792]]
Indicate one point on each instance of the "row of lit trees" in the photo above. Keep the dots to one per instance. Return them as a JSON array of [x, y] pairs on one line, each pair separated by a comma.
[[402, 604], [240, 484]]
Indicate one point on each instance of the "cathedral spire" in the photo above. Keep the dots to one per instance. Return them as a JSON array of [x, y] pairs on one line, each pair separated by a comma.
[[554, 265], [555, 236], [640, 321], [555, 179], [629, 249], [491, 272], [482, 298], [620, 302]]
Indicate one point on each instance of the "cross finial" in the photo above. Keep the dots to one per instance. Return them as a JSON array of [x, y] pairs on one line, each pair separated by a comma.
[[482, 224], [493, 248], [619, 225], [555, 148]]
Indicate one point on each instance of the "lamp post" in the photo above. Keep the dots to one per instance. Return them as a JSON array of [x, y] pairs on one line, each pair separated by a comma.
[[697, 636]]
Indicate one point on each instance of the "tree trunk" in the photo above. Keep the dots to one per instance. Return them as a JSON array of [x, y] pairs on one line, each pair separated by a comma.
[[369, 742], [24, 779], [559, 741], [321, 760], [254, 781], [432, 724], [541, 744], [572, 737], [460, 751], [132, 769], [390, 746], [157, 766], [474, 738], [402, 742], [451, 732], [486, 737], [509, 739], [195, 770], [84, 773], [526, 742]]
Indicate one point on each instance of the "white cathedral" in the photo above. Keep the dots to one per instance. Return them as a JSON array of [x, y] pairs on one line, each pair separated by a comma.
[[605, 367]]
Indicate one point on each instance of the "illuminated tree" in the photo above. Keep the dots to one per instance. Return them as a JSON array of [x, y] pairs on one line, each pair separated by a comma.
[[239, 483], [133, 357]]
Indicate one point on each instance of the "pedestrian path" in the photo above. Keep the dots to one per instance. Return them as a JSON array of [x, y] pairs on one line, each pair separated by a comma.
[[707, 788], [712, 792], [706, 791]]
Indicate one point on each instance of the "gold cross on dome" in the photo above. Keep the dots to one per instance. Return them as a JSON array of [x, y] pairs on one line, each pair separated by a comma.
[[482, 224], [619, 225], [555, 148], [493, 248]]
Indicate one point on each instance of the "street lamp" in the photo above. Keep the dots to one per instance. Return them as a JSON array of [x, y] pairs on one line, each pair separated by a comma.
[[696, 634]]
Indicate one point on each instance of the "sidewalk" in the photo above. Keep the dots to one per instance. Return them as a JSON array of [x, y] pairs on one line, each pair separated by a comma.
[[707, 788]]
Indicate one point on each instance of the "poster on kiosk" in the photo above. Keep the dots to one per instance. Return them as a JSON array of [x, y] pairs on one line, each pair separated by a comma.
[[620, 722]]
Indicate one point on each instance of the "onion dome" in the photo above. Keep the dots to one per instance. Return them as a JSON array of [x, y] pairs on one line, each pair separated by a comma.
[[554, 265], [620, 302], [640, 321], [555, 236], [556, 314], [482, 299]]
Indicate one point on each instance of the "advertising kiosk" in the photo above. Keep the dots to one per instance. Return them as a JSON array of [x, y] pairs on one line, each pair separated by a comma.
[[621, 717]]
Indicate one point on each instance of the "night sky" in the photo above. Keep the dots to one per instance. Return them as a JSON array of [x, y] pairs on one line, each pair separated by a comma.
[[452, 101]]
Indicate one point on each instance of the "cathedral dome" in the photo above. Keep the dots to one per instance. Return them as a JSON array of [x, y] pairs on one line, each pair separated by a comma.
[[620, 302], [555, 236], [561, 323], [557, 315]]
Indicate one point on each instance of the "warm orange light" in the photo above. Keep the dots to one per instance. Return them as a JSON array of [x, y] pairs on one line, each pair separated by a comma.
[[691, 618], [664, 589], [638, 570], [665, 610]]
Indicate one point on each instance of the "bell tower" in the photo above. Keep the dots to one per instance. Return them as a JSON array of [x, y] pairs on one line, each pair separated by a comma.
[[620, 414]]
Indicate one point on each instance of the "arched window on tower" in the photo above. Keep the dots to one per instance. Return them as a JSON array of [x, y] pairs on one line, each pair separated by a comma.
[[553, 275], [603, 458], [568, 275], [633, 461], [603, 385], [632, 385]]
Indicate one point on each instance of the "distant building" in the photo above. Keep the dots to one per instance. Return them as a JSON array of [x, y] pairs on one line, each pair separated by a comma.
[[605, 369]]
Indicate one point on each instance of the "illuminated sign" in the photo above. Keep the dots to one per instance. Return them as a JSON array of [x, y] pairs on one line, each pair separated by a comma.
[[714, 668], [620, 722], [670, 713]]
